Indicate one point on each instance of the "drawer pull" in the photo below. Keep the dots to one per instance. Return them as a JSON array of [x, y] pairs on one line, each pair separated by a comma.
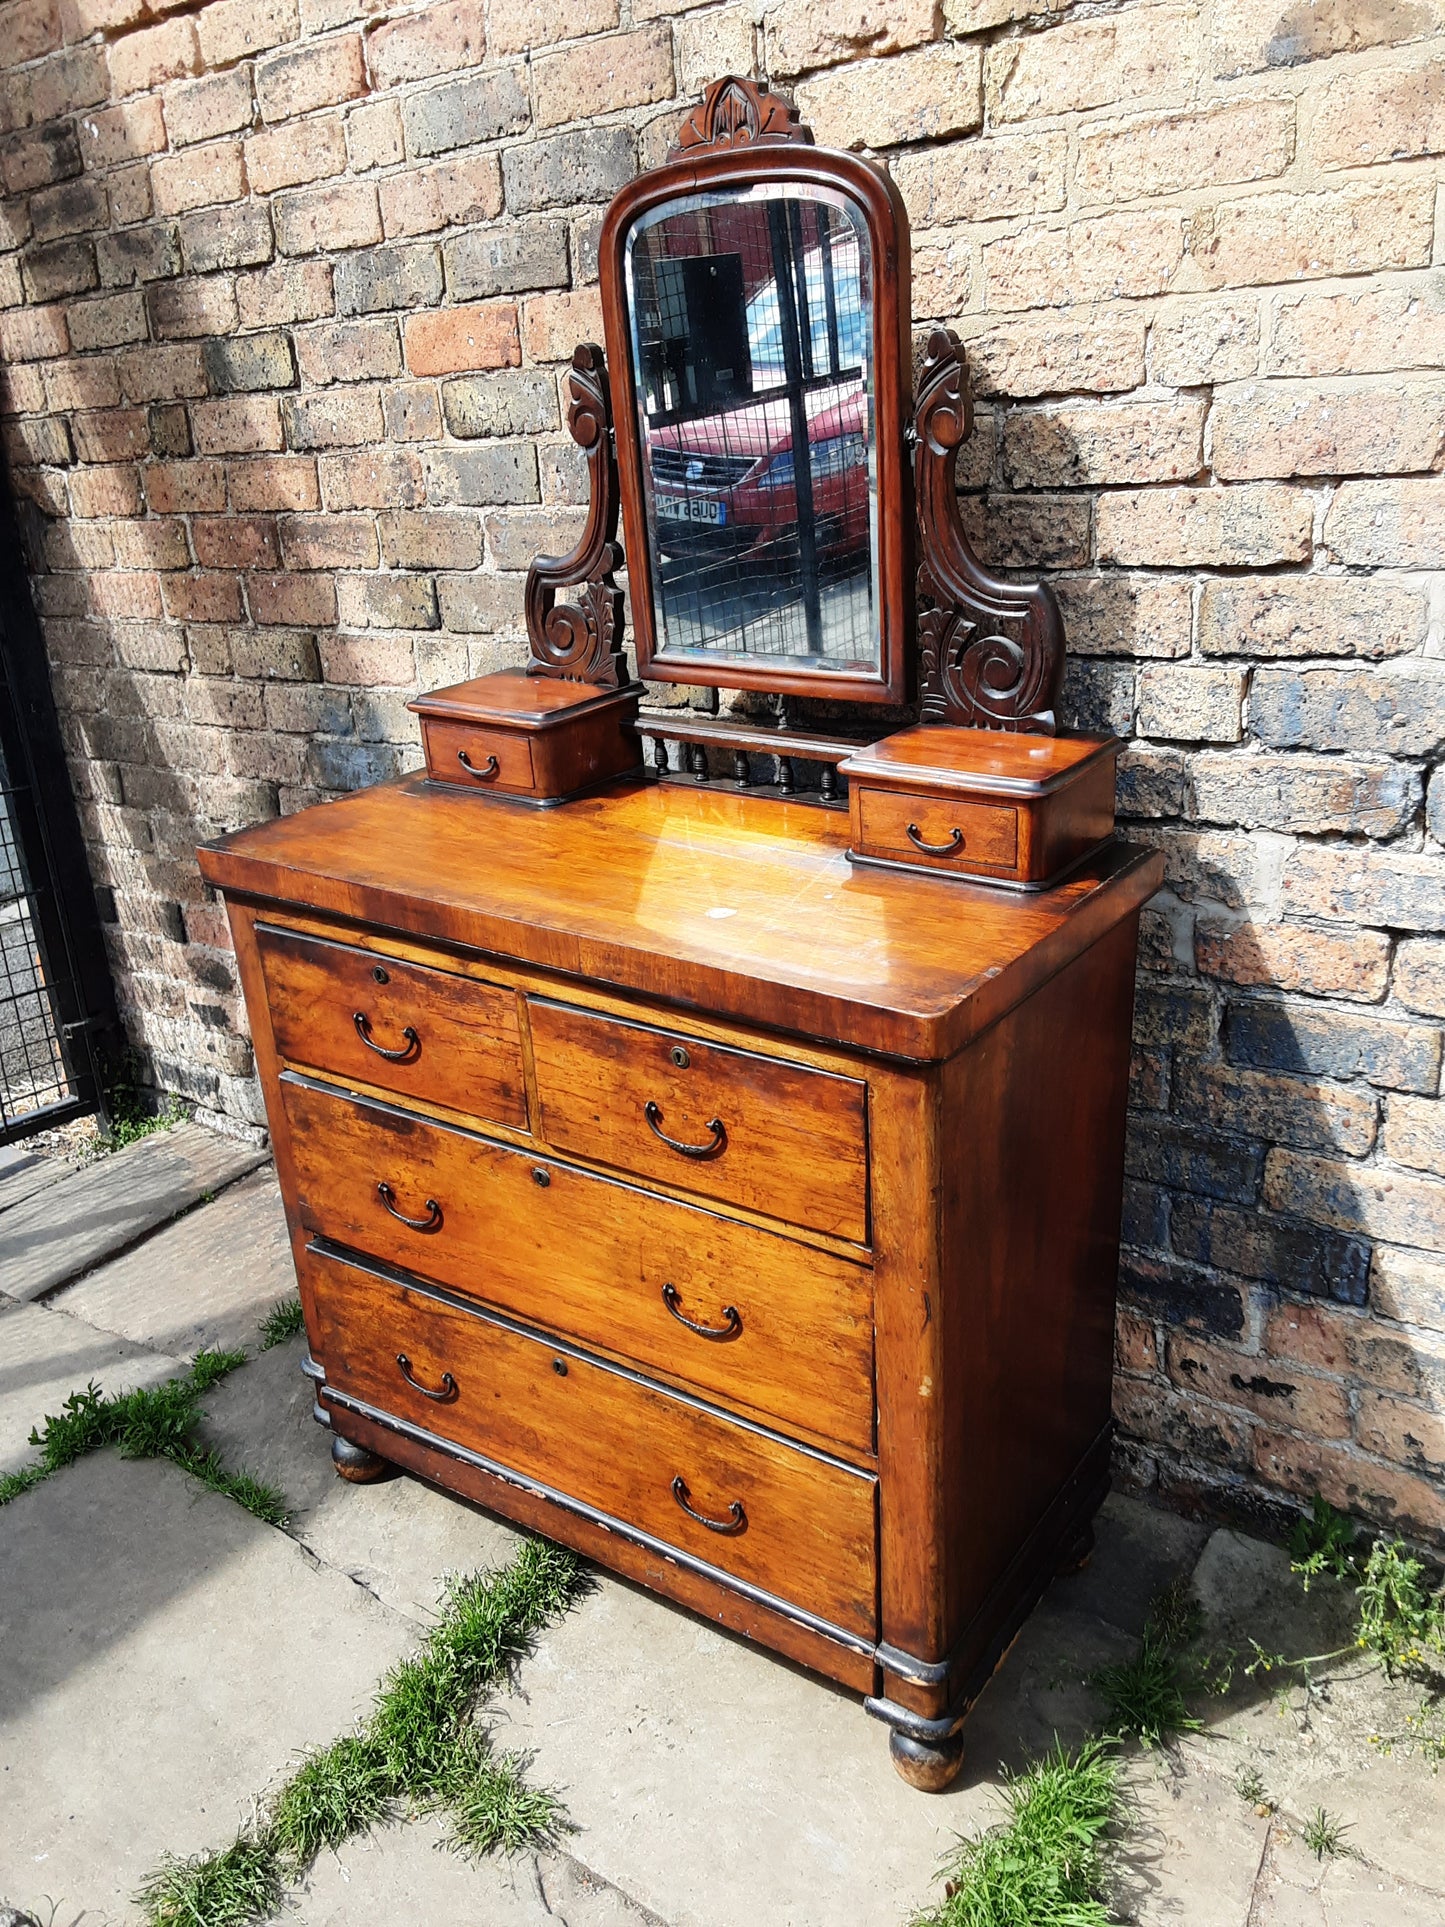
[[432, 1220], [449, 1385], [653, 1114], [730, 1329], [955, 842], [735, 1521], [363, 1030], [483, 774]]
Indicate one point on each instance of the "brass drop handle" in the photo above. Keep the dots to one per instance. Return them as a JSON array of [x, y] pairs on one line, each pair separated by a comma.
[[736, 1521], [432, 1220], [449, 1385], [363, 1031], [915, 837], [653, 1114], [482, 774], [729, 1329]]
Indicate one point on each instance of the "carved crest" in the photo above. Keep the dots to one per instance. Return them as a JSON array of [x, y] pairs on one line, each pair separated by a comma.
[[991, 652], [738, 113], [581, 640]]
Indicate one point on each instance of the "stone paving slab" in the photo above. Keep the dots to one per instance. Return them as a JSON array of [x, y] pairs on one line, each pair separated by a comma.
[[46, 1355], [399, 1537], [163, 1657], [407, 1873], [22, 1176], [68, 1228], [205, 1280], [1192, 1851], [1296, 1890]]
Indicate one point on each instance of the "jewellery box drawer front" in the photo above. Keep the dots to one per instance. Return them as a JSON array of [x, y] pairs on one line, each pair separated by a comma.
[[425, 1033], [786, 1331], [774, 1137], [938, 831], [789, 1521], [477, 758]]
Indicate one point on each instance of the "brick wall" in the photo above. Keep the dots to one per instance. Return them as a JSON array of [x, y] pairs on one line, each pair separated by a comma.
[[284, 290]]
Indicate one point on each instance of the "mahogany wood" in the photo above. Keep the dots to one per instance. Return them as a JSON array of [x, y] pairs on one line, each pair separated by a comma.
[[794, 1523], [516, 735], [991, 652], [1023, 808], [583, 1255], [740, 160], [582, 640], [962, 1056], [781, 1139], [425, 1033]]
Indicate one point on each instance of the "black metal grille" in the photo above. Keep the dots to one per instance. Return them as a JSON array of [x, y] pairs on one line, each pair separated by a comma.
[[35, 1076]]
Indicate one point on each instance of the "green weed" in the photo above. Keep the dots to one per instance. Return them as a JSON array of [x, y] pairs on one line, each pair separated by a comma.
[[130, 1118], [1044, 1866], [1145, 1696], [1324, 1835], [1323, 1542], [421, 1746], [1249, 1785], [151, 1422], [1402, 1622], [283, 1321]]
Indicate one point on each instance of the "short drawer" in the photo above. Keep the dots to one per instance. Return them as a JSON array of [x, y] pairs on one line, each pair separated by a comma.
[[432, 1034], [751, 1319], [796, 1524], [774, 1137], [477, 758], [939, 830]]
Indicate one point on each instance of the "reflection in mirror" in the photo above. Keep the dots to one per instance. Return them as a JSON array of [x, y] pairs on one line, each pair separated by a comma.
[[752, 344]]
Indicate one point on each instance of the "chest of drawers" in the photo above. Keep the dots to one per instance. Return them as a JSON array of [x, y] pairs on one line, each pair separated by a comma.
[[744, 1218]]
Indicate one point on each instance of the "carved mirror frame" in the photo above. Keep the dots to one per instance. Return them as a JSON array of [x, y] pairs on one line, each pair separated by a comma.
[[741, 136]]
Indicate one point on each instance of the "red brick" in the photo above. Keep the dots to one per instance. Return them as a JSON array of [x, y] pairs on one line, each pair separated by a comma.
[[241, 425], [144, 59], [198, 177], [181, 488], [319, 75], [1135, 1349], [162, 373], [122, 133], [1376, 114], [203, 598], [553, 324], [373, 479], [105, 491], [319, 219], [151, 544], [423, 200], [1288, 956], [135, 593], [481, 336], [231, 29], [310, 150], [329, 541], [599, 75], [1349, 1480], [273, 482], [112, 435], [235, 542], [1314, 1405], [198, 110], [31, 334], [348, 351], [292, 600]]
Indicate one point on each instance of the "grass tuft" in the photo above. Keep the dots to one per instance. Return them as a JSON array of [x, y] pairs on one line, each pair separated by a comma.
[[283, 1321], [240, 1883], [1145, 1696], [1324, 1835], [152, 1422], [421, 1745], [1044, 1866]]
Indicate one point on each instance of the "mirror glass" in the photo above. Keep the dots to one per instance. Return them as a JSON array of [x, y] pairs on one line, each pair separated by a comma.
[[753, 360]]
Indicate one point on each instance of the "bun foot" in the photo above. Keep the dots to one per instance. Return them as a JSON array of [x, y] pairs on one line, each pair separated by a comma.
[[1076, 1554], [923, 1764], [355, 1463]]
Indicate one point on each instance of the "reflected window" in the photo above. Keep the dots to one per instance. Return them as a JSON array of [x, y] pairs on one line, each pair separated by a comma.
[[753, 355]]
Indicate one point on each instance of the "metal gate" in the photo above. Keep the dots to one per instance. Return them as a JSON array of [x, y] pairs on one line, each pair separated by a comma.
[[57, 1013]]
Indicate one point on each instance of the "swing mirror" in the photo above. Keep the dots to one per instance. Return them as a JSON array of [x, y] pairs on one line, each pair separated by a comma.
[[756, 337]]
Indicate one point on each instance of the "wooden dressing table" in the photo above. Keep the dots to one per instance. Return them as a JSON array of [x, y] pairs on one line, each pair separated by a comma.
[[664, 1172]]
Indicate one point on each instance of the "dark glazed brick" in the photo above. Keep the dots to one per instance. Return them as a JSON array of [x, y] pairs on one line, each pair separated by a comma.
[[138, 254], [1180, 1295], [1309, 1260], [1188, 1160], [513, 260], [245, 364], [1174, 1016], [68, 209], [587, 166], [1146, 1215], [43, 155], [65, 267], [349, 766], [170, 429], [227, 237], [1330, 1043], [388, 277], [467, 111]]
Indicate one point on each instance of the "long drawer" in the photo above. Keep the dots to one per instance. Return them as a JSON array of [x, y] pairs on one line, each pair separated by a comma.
[[795, 1524], [752, 1319], [408, 1028], [775, 1137]]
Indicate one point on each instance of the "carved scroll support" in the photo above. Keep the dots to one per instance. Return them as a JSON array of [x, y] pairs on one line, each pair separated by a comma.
[[580, 639], [991, 652]]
